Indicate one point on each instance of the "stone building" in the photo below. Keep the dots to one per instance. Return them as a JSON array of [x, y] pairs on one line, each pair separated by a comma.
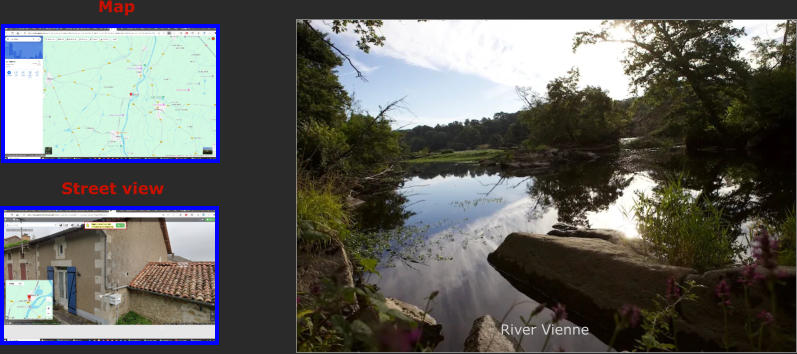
[[92, 269]]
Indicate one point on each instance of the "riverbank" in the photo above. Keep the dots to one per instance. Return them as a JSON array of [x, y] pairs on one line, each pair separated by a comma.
[[465, 156]]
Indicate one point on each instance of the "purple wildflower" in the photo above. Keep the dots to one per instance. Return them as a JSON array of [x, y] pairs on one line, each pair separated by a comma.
[[414, 335], [297, 300], [559, 313], [766, 317], [673, 290], [630, 314], [765, 249], [723, 291], [749, 275]]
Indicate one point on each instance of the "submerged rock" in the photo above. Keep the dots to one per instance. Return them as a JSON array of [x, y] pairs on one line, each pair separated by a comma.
[[591, 276], [486, 336]]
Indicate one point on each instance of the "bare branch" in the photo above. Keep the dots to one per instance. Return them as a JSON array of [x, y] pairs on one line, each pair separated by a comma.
[[328, 42]]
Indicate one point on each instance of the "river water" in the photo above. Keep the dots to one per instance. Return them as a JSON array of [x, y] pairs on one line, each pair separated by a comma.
[[459, 213]]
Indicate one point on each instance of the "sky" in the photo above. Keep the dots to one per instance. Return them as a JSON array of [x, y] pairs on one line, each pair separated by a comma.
[[189, 239], [457, 70]]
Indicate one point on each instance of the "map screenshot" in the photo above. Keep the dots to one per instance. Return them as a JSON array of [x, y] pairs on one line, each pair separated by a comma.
[[109, 275], [29, 300], [110, 93]]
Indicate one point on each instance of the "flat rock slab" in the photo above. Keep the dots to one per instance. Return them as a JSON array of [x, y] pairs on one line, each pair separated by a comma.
[[591, 276]]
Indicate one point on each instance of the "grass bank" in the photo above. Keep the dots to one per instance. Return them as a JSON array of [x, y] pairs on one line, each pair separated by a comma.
[[458, 156]]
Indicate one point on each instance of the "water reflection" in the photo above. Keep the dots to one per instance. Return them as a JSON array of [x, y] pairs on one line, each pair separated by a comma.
[[469, 209]]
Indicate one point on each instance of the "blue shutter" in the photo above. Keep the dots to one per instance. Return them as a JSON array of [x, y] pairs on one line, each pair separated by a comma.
[[71, 285], [50, 273]]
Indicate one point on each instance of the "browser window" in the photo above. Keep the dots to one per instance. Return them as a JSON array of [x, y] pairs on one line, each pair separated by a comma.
[[102, 275], [110, 93]]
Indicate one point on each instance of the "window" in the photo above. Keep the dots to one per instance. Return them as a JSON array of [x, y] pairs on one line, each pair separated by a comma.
[[110, 93], [148, 247]]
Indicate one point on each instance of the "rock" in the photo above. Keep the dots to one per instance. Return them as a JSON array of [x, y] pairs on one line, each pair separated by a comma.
[[701, 325], [612, 236], [353, 203], [563, 227], [314, 265], [431, 331], [485, 336], [591, 276], [413, 312]]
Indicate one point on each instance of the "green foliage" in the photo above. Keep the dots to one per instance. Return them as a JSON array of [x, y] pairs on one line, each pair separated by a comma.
[[320, 214], [684, 230], [319, 95], [365, 29], [321, 146], [372, 144], [503, 130], [458, 156], [132, 318], [658, 322], [321, 325], [569, 116], [15, 244]]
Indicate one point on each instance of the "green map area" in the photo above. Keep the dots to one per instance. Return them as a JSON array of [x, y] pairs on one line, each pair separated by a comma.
[[29, 300], [130, 96]]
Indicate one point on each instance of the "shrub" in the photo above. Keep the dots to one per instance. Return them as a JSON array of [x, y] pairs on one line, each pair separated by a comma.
[[320, 214], [682, 230], [447, 151], [132, 318]]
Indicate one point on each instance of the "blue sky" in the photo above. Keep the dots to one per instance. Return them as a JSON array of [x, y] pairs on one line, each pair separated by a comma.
[[457, 70]]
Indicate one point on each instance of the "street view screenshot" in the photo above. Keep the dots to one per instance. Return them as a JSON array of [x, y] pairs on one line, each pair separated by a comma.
[[110, 93], [109, 275]]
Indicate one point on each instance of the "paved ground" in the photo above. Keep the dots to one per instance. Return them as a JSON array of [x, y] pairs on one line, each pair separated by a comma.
[[65, 317]]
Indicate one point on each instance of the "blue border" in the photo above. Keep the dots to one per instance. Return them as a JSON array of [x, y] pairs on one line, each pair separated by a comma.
[[123, 207], [3, 158]]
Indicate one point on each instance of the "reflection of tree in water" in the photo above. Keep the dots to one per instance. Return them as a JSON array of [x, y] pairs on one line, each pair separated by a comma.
[[743, 186], [382, 211], [432, 170], [578, 188]]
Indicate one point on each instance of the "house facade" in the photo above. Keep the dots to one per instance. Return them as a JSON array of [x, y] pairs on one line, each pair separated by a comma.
[[91, 269]]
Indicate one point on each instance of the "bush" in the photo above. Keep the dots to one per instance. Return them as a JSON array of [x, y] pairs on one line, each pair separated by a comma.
[[132, 318], [320, 214], [682, 230], [447, 151]]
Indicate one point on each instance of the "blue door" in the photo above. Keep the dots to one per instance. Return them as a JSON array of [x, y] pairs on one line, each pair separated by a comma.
[[71, 286]]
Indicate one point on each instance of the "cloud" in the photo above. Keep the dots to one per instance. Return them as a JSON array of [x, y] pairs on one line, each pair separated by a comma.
[[513, 52]]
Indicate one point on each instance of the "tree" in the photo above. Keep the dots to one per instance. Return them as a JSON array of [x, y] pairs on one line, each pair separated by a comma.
[[330, 137], [701, 53], [569, 116]]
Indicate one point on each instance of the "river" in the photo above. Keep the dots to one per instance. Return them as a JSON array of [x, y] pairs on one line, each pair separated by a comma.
[[459, 213]]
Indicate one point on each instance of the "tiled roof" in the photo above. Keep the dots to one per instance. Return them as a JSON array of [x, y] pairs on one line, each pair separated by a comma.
[[194, 281]]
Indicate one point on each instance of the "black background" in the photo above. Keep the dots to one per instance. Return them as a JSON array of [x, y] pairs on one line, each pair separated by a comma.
[[254, 184]]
